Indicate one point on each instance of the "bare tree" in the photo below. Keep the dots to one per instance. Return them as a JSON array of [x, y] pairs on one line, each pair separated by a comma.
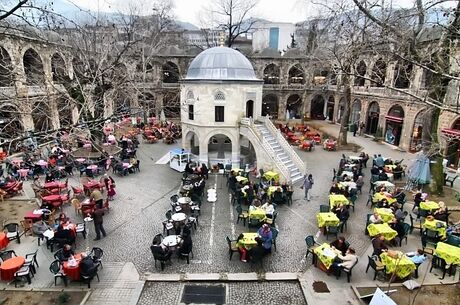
[[9, 9], [233, 17]]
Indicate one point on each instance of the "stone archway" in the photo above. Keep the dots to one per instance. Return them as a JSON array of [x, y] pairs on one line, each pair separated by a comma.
[[170, 73], [271, 74], [41, 116], [270, 106], [10, 121], [355, 114], [296, 75], [379, 73], [250, 109], [330, 108], [192, 142], [6, 69], [373, 114], [394, 125], [317, 107], [294, 107], [33, 68], [58, 68], [452, 136], [417, 132]]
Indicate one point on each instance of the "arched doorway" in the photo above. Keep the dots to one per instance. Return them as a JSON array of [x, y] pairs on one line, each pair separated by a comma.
[[330, 108], [170, 73], [270, 106], [296, 75], [33, 68], [272, 74], [417, 132], [317, 107], [373, 113], [6, 69], [219, 149], [341, 109], [247, 152], [193, 143], [452, 136], [394, 125], [65, 108], [355, 115], [294, 107], [41, 116], [403, 75], [250, 109], [10, 123]]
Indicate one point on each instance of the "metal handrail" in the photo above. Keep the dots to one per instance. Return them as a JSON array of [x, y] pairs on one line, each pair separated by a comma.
[[286, 146]]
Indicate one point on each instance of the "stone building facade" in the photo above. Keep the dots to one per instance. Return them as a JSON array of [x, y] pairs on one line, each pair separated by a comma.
[[295, 88]]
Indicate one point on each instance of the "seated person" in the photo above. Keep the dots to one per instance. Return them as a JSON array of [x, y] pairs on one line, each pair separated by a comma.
[[418, 258], [383, 176], [383, 203], [269, 209], [399, 195], [417, 199], [335, 189], [375, 170], [266, 236], [346, 261], [186, 244], [400, 215], [441, 213], [63, 219], [379, 245], [398, 227], [66, 253], [161, 251], [87, 264], [375, 218], [342, 213], [63, 236], [340, 245], [278, 196], [257, 252], [40, 227], [241, 248]]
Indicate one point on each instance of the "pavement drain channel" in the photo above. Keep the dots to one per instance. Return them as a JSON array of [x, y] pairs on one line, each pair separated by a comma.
[[204, 294]]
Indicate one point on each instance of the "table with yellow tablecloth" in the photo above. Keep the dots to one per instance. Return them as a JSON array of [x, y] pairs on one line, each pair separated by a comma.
[[271, 175], [257, 213], [377, 197], [237, 171], [326, 254], [386, 214], [429, 205], [401, 266], [271, 190], [336, 200], [383, 229], [242, 179], [434, 226], [390, 167], [249, 240], [449, 253], [327, 220]]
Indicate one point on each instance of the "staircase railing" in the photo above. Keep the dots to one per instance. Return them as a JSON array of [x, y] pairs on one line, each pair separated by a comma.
[[256, 136], [301, 165]]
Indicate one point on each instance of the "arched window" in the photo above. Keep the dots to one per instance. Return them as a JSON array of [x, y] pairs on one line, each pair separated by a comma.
[[58, 68], [296, 75], [272, 74], [190, 95], [170, 73], [378, 73], [403, 72], [6, 69], [219, 96], [33, 68], [361, 72]]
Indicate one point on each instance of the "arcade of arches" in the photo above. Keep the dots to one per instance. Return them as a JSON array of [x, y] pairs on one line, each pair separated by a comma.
[[270, 106]]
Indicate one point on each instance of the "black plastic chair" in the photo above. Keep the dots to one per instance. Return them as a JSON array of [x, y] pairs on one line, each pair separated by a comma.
[[414, 225], [24, 272], [81, 228], [231, 247], [31, 259], [12, 231], [243, 215], [311, 246], [55, 269], [439, 263], [97, 254], [406, 228], [332, 231], [376, 266], [453, 240], [88, 276], [7, 254], [159, 256], [187, 255]]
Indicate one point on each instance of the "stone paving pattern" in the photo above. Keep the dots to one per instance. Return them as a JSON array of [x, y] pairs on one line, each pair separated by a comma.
[[269, 293], [143, 198]]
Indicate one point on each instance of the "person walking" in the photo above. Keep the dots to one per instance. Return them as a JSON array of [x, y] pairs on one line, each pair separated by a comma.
[[98, 223], [355, 128], [307, 185]]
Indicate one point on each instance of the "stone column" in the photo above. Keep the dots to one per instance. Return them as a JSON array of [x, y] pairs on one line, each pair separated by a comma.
[[282, 105], [203, 151], [236, 150]]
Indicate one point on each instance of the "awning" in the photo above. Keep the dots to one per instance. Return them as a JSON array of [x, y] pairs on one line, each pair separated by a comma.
[[451, 132], [394, 119]]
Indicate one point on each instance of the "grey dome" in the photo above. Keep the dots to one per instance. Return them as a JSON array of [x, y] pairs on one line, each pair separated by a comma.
[[221, 63]]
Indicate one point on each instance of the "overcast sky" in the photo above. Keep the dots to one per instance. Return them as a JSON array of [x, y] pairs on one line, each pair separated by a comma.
[[189, 10]]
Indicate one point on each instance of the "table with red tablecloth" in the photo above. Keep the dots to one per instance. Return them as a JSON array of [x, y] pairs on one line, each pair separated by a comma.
[[9, 267], [55, 200], [54, 185], [72, 272], [3, 240], [89, 186], [33, 216], [87, 206]]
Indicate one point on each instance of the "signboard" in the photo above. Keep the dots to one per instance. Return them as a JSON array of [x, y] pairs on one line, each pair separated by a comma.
[[380, 298]]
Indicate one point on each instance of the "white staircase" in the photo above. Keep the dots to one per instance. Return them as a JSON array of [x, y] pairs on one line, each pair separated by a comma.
[[265, 135]]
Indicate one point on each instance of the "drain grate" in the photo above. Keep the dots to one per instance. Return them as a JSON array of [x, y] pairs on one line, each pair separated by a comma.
[[203, 294]]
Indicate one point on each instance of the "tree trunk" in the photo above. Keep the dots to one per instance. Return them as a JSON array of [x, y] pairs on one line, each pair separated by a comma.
[[437, 170], [343, 133]]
